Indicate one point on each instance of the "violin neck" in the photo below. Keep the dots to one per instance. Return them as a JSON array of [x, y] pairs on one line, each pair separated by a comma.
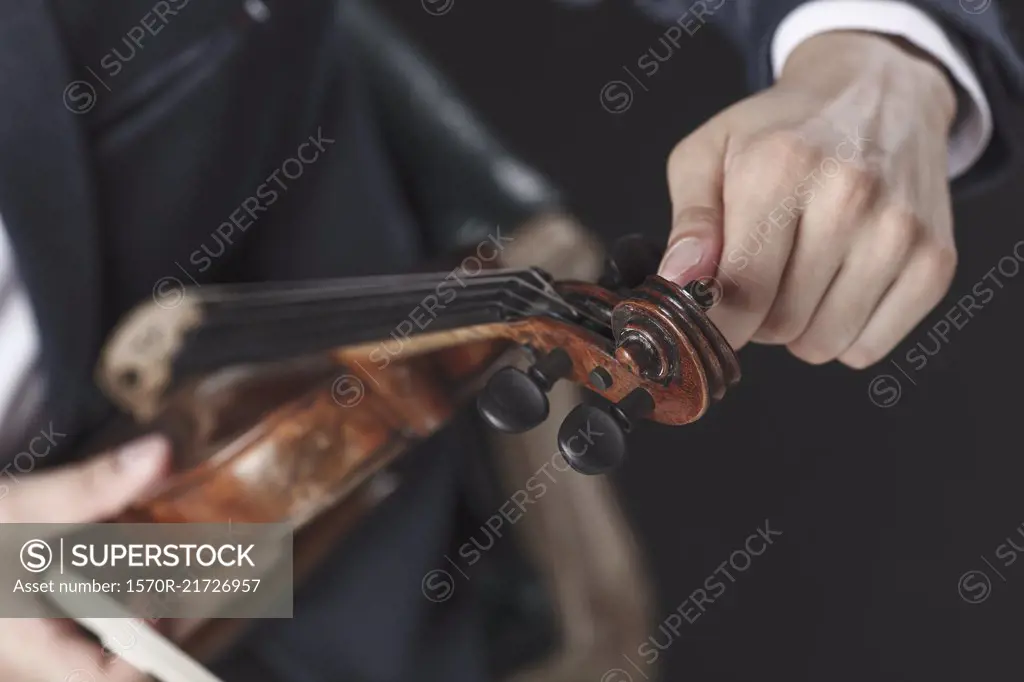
[[268, 323]]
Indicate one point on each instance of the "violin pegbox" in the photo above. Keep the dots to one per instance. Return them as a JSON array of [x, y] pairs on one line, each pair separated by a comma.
[[651, 351]]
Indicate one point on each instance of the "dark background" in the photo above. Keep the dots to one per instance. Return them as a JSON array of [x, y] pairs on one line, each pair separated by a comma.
[[882, 510]]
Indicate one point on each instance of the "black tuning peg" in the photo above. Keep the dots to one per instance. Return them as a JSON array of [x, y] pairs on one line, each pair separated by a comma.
[[514, 401], [593, 440], [631, 259]]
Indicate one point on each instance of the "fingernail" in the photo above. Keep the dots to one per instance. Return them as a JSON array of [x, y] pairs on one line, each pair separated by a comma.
[[143, 453], [682, 257]]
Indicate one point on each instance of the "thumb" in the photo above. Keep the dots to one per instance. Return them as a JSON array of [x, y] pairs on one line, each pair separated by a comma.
[[695, 182], [88, 491]]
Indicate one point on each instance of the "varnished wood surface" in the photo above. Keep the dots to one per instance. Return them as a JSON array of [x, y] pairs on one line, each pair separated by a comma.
[[359, 408]]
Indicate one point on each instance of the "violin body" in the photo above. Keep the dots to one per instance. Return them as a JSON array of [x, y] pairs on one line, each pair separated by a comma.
[[288, 443]]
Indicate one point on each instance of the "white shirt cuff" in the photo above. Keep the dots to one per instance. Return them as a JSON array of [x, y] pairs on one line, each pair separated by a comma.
[[970, 138]]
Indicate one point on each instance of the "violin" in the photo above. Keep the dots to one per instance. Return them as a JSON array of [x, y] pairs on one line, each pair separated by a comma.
[[289, 402], [281, 400]]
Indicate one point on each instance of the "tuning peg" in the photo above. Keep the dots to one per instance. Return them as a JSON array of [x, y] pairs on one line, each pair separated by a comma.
[[514, 401], [593, 439], [632, 258]]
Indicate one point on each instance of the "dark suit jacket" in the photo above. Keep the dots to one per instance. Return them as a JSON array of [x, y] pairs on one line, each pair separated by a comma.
[[129, 132]]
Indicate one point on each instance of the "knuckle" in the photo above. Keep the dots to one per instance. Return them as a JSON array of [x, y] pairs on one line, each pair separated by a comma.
[[938, 265], [855, 188], [698, 218], [793, 154], [899, 230], [785, 153]]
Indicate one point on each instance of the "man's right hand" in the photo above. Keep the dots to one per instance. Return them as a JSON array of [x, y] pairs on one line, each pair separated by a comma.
[[54, 650], [821, 205]]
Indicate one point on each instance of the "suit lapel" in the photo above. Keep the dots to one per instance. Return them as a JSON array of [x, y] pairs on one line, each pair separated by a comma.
[[47, 202]]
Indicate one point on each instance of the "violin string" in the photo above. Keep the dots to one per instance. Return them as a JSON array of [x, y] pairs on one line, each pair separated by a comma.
[[212, 348], [229, 327], [287, 322], [553, 296], [404, 305], [340, 288], [264, 324], [246, 294], [273, 299], [227, 315]]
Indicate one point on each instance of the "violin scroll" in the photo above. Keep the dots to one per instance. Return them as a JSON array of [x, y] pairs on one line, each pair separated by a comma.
[[651, 351], [661, 331]]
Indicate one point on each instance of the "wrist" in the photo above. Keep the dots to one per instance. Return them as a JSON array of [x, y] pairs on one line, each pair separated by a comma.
[[837, 60]]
